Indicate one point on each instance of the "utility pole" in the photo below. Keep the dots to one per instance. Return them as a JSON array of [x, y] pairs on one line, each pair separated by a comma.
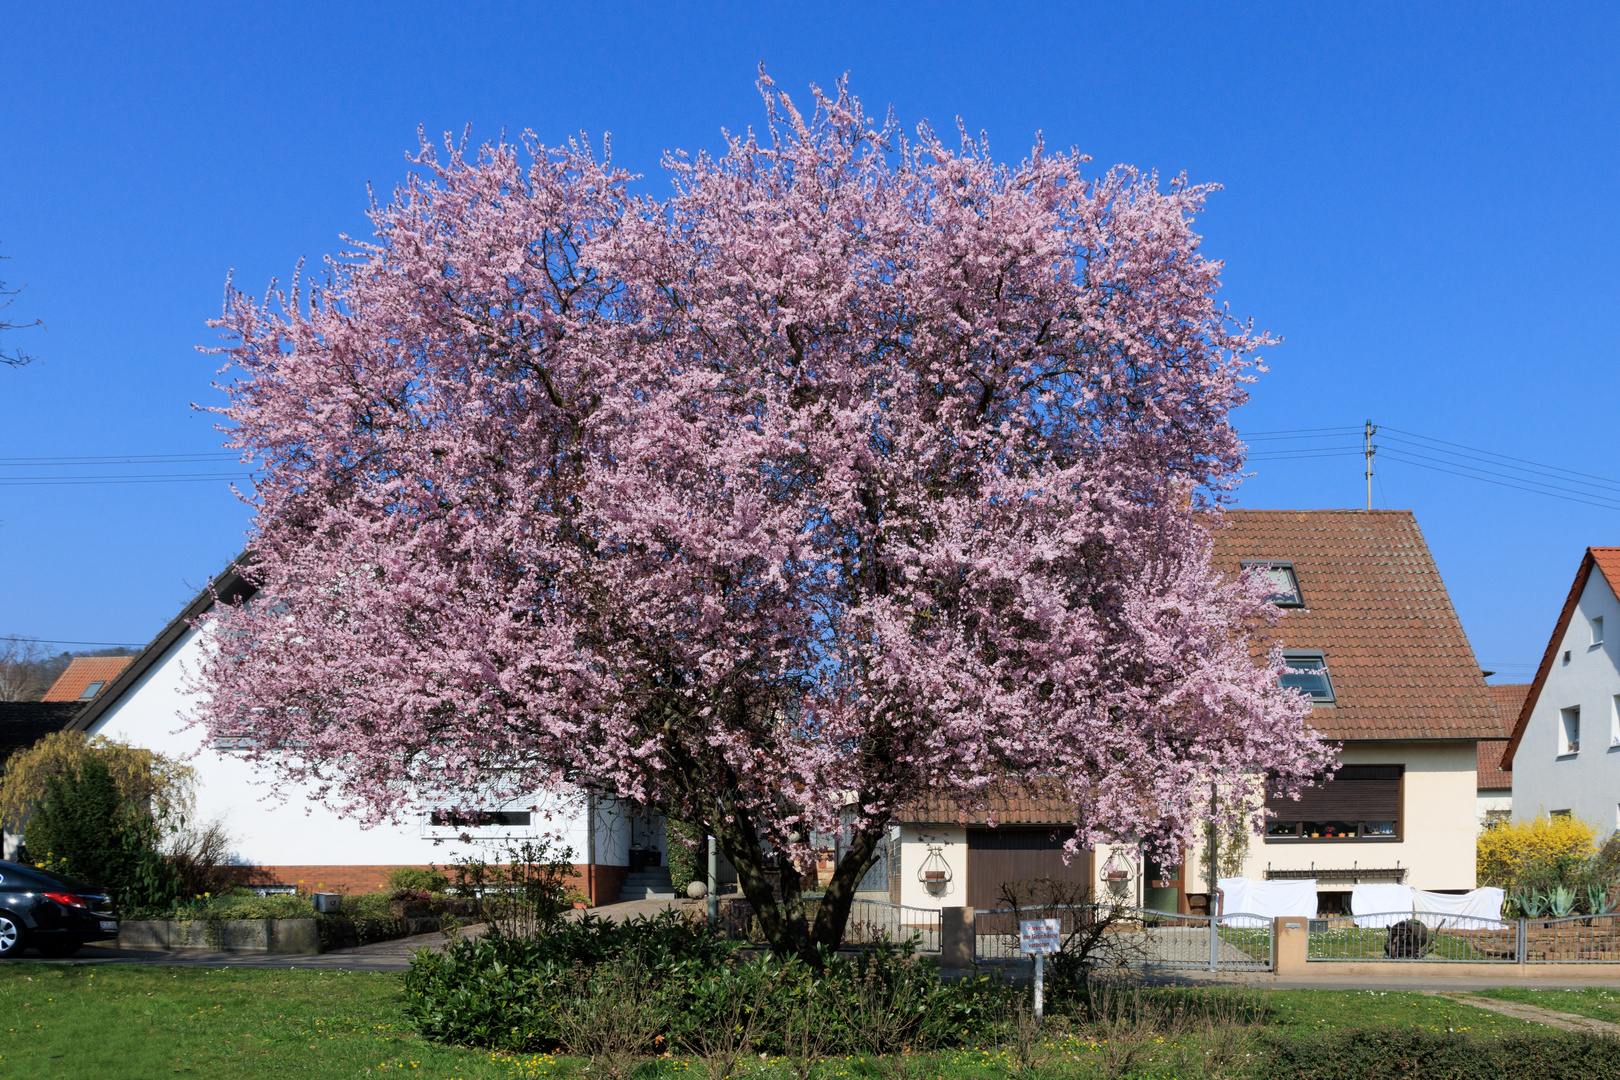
[[1369, 449]]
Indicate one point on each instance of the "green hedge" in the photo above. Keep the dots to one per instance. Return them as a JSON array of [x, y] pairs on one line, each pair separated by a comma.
[[681, 985], [1420, 1055]]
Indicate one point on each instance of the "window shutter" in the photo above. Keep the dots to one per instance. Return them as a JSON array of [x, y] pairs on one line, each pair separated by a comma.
[[1356, 793]]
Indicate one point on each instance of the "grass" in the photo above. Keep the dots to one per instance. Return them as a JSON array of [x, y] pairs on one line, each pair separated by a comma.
[[1597, 1002], [129, 1022]]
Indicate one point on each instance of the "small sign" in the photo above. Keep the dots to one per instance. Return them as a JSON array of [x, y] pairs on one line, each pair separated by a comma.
[[1038, 936]]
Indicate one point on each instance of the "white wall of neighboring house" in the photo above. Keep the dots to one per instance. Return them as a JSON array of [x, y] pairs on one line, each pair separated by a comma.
[[280, 825], [1438, 822], [1548, 778], [1490, 801]]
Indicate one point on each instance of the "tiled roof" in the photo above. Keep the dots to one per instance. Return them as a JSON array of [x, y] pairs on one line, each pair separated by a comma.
[[1375, 605], [84, 670], [1488, 765], [1008, 810], [1508, 698], [1607, 562], [23, 723]]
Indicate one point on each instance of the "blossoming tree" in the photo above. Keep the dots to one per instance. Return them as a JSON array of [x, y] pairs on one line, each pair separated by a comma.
[[856, 471]]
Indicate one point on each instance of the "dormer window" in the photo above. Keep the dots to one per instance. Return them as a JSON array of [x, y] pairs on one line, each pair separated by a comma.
[[1279, 575], [1308, 674]]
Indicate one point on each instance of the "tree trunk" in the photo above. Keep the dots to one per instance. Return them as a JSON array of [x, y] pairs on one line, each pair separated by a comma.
[[786, 930]]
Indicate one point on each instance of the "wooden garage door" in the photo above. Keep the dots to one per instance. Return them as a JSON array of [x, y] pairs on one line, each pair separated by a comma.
[[1017, 854]]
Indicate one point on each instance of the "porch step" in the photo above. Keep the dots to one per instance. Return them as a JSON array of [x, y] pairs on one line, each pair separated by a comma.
[[652, 883]]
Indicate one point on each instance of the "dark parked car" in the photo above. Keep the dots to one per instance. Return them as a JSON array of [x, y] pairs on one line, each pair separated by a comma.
[[50, 912]]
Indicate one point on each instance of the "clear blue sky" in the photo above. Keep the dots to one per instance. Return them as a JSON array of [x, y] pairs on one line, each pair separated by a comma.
[[1419, 198]]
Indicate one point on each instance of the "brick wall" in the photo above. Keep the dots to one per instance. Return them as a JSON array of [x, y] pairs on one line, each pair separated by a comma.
[[600, 883]]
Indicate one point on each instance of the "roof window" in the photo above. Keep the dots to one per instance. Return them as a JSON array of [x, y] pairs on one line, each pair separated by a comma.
[[1279, 575], [1308, 674], [92, 690]]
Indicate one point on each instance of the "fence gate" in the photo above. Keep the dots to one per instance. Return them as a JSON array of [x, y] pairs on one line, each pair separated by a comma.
[[1142, 938]]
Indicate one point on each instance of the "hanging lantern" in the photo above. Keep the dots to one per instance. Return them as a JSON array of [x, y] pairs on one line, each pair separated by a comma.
[[934, 872]]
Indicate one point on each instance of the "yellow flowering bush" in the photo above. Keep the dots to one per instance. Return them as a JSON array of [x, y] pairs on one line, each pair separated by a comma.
[[1504, 852]]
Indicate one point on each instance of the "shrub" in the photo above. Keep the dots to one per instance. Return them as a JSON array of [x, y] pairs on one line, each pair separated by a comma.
[[688, 854], [527, 893], [1509, 855], [429, 879], [86, 827], [1377, 1054], [142, 777], [510, 993]]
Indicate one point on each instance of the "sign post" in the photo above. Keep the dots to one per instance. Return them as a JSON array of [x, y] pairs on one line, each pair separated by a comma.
[[1037, 937]]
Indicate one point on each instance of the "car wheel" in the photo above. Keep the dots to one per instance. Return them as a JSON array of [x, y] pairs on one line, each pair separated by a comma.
[[59, 948], [13, 939]]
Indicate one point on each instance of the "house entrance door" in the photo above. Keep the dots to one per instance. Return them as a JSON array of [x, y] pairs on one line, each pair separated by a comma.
[[1008, 854]]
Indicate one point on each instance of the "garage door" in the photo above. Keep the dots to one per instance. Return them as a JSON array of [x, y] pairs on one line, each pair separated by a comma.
[[1017, 854]]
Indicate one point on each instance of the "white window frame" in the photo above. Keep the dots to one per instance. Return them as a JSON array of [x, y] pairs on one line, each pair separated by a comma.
[[1614, 722], [1596, 622], [1568, 747]]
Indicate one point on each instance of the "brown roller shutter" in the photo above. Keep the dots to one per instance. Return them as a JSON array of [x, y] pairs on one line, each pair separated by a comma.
[[1356, 793], [1009, 854]]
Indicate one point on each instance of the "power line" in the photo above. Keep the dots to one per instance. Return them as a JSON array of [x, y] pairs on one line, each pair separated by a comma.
[[1508, 457], [162, 478], [65, 641], [1502, 483], [118, 459], [1554, 474]]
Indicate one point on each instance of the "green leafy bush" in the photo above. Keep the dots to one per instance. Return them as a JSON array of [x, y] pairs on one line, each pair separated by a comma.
[[1380, 1054], [86, 828], [513, 993], [425, 879], [688, 854]]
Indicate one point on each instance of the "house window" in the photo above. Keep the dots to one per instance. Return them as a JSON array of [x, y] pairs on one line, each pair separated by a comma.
[[1597, 630], [482, 819], [92, 690], [1280, 576], [1361, 802], [1494, 818], [448, 824], [1569, 731], [1614, 721], [1309, 675]]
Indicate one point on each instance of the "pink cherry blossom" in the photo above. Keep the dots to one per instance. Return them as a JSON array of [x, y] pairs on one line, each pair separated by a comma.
[[858, 464]]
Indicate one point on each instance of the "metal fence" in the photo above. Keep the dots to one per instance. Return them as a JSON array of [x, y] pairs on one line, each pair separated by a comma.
[[1402, 935], [1577, 939], [874, 922], [1136, 937]]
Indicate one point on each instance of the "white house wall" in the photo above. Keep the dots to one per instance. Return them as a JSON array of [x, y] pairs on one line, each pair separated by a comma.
[[1439, 797], [1587, 783], [916, 843], [281, 826]]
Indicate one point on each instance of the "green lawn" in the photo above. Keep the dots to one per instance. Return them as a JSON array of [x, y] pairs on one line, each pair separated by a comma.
[[133, 1023], [1596, 1002]]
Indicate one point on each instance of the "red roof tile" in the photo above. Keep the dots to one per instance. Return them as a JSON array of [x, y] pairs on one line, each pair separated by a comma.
[[84, 670], [1376, 606], [1508, 698]]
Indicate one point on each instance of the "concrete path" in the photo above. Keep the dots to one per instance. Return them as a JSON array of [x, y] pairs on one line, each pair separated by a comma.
[[1536, 1014]]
